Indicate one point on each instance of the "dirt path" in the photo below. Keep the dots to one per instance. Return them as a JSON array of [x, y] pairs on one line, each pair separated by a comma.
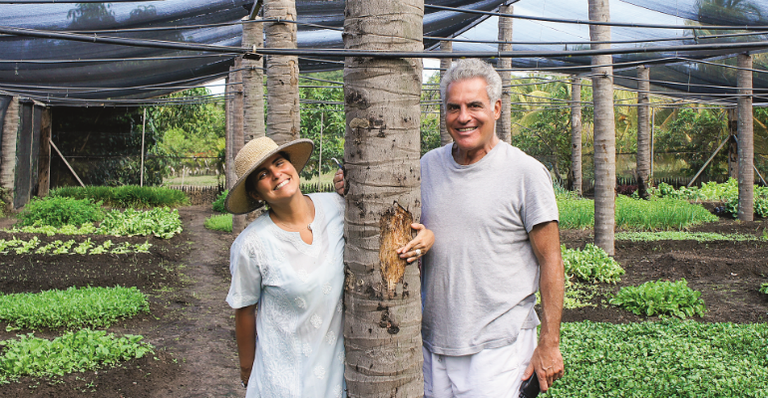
[[202, 338]]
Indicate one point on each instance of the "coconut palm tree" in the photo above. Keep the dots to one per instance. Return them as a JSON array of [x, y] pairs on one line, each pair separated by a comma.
[[605, 136], [382, 296], [284, 117]]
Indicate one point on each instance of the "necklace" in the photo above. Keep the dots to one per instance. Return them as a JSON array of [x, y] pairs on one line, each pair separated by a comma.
[[290, 227]]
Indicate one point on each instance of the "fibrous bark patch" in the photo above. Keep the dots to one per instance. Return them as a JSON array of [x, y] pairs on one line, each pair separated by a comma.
[[395, 232]]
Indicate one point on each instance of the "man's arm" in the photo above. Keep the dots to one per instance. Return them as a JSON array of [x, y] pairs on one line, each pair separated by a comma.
[[245, 334], [547, 359]]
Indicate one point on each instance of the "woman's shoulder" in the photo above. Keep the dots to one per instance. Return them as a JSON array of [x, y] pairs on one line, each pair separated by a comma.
[[254, 232], [331, 200]]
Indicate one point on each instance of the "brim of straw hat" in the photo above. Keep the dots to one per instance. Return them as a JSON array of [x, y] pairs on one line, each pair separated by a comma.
[[239, 202]]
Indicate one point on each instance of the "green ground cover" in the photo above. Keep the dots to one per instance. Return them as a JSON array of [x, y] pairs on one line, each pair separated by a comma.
[[78, 351], [94, 307], [664, 359], [635, 214]]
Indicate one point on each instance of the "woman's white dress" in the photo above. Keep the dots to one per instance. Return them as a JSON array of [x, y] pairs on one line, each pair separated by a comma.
[[299, 290]]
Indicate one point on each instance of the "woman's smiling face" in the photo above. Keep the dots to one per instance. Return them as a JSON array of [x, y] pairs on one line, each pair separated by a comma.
[[275, 180]]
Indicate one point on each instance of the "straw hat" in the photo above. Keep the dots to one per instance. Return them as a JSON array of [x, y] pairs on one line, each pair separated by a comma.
[[251, 157]]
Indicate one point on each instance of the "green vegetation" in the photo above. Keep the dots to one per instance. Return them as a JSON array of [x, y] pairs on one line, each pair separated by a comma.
[[683, 235], [727, 192], [670, 358], [59, 247], [189, 133], [661, 298], [764, 288], [161, 222], [592, 264], [222, 222], [73, 352], [95, 307], [321, 113], [60, 211], [218, 204], [636, 214], [85, 229], [125, 196]]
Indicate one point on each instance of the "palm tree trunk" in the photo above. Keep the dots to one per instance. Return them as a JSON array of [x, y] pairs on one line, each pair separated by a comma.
[[382, 329], [643, 130], [253, 83], [745, 137], [236, 125], [10, 129], [576, 172], [504, 124], [283, 116], [605, 137], [445, 63]]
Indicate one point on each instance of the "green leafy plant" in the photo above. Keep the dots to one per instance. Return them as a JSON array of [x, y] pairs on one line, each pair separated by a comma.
[[661, 298], [592, 264], [636, 214], [94, 307], [73, 352], [764, 288], [161, 222], [683, 235], [218, 204], [58, 211], [125, 196], [669, 358], [221, 222], [48, 230]]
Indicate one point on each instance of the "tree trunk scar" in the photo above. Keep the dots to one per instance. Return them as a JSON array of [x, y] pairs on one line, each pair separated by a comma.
[[395, 232]]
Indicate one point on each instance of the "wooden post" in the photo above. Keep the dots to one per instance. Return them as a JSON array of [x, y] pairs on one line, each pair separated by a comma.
[[504, 124], [10, 135], [576, 165], [643, 130], [44, 165], [746, 151], [733, 143], [445, 63]]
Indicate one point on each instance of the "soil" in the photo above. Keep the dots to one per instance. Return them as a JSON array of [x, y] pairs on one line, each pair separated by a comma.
[[192, 327]]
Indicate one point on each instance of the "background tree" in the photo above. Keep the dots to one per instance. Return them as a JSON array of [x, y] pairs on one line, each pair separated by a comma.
[[323, 105], [195, 129]]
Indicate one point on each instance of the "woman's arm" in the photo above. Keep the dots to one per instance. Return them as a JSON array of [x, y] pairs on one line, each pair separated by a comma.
[[245, 334]]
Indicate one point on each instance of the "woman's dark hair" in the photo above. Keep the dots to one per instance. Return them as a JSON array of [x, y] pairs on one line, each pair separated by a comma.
[[250, 182]]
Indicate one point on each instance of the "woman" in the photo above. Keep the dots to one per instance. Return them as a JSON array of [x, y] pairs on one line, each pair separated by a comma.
[[289, 263]]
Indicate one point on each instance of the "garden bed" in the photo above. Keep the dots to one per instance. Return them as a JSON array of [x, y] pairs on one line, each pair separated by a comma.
[[191, 327], [728, 274]]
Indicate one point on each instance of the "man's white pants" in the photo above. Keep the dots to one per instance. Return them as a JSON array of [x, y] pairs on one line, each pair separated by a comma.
[[492, 373]]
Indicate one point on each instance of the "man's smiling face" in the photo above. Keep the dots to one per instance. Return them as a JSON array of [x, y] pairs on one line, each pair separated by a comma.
[[469, 115]]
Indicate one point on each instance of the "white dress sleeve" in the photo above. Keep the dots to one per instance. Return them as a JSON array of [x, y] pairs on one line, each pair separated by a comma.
[[245, 267]]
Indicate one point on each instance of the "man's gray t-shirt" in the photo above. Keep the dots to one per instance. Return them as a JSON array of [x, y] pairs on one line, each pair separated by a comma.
[[480, 277]]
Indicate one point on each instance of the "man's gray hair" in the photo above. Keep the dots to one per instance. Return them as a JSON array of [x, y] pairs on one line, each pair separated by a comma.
[[469, 69]]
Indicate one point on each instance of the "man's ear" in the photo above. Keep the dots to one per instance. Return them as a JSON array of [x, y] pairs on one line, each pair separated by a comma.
[[497, 109]]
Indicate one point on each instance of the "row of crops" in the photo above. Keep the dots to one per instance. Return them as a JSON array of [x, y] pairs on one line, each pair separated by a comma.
[[81, 314]]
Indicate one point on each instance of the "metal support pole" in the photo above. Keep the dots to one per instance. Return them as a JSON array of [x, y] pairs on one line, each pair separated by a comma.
[[143, 132]]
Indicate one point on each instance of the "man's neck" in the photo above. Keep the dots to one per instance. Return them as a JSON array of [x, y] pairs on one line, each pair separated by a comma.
[[465, 158]]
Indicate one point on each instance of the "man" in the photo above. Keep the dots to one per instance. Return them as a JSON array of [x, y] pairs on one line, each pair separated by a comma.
[[493, 212]]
